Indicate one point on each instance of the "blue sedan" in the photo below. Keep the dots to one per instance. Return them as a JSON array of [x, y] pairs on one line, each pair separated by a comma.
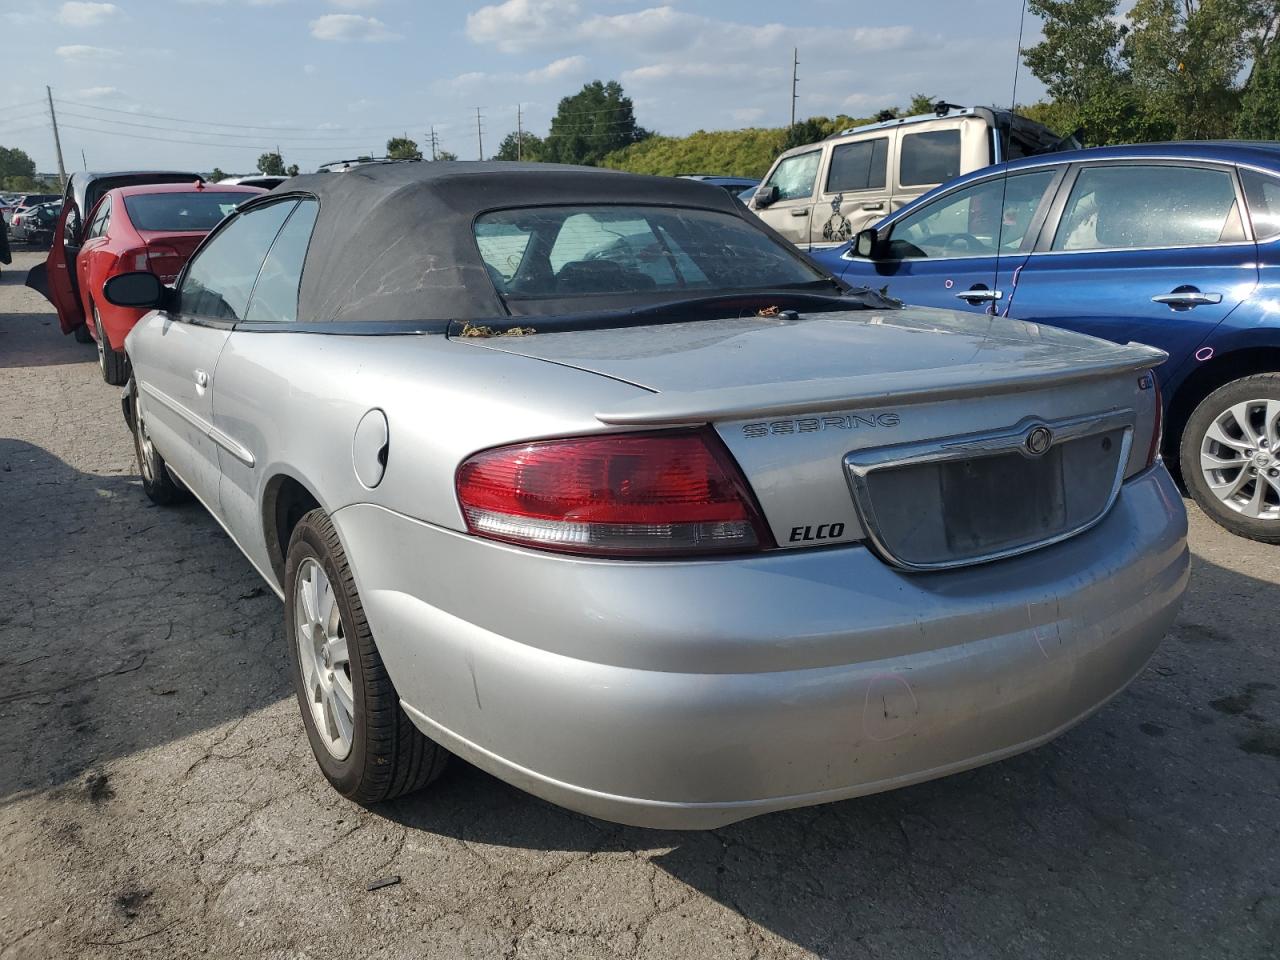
[[1174, 245]]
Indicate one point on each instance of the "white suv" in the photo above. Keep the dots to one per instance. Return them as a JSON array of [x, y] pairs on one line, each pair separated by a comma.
[[821, 194]]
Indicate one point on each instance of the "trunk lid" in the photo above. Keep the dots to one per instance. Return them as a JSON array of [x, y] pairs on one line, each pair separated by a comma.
[[905, 428], [167, 253]]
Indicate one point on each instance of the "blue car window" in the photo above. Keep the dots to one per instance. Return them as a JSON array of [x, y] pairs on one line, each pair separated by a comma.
[[1262, 193], [860, 165], [794, 176], [968, 222], [1149, 205]]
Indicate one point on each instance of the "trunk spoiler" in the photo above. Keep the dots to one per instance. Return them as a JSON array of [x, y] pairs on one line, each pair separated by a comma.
[[840, 393]]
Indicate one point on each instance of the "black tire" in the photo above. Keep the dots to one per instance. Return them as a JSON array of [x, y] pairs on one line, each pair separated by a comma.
[[388, 755], [114, 364], [1265, 468], [160, 487], [81, 333]]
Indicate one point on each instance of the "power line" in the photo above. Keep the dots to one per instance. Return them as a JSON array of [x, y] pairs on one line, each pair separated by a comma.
[[34, 126], [211, 133], [220, 146], [29, 103], [26, 116]]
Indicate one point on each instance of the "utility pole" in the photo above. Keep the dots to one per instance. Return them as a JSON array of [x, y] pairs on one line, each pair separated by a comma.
[[433, 141], [519, 134], [795, 66], [479, 134], [57, 143], [83, 160]]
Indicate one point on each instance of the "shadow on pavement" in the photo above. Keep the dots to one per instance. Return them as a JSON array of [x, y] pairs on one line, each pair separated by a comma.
[[127, 627], [1154, 820], [124, 625]]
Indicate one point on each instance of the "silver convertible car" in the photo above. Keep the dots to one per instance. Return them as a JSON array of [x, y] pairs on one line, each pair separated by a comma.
[[594, 481]]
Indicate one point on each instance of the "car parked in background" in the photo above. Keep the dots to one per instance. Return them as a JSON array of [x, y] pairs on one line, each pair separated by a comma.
[[821, 194], [672, 540], [56, 279], [154, 227], [1176, 245], [34, 225], [266, 181], [18, 201], [735, 185]]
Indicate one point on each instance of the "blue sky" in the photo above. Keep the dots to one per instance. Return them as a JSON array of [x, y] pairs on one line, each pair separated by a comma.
[[328, 79]]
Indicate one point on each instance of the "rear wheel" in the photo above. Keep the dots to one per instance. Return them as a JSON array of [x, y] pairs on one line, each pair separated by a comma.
[[1230, 456], [159, 486], [114, 364], [366, 746]]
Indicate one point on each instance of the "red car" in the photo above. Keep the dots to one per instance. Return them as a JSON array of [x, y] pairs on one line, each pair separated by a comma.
[[153, 227]]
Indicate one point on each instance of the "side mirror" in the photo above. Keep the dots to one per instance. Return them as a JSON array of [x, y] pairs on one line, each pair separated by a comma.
[[141, 289], [866, 243], [765, 196]]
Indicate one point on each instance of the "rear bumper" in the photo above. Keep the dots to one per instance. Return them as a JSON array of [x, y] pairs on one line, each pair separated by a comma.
[[690, 695]]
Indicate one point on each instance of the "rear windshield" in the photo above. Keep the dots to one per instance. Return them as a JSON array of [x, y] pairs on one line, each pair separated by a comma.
[[181, 212], [580, 251]]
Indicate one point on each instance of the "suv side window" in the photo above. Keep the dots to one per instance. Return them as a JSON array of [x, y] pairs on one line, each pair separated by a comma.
[[794, 176], [860, 165], [1262, 194], [1138, 205], [929, 157], [968, 221], [220, 279], [275, 298]]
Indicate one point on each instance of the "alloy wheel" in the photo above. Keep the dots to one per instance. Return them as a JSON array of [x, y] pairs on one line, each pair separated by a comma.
[[324, 659], [1240, 458], [146, 452], [102, 343]]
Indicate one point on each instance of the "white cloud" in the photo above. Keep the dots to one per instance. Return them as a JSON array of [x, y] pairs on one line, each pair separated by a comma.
[[350, 26], [556, 69], [96, 93], [80, 51], [79, 14], [499, 83], [310, 69]]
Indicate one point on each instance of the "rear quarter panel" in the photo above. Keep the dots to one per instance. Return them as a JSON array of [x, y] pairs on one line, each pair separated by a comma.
[[294, 401]]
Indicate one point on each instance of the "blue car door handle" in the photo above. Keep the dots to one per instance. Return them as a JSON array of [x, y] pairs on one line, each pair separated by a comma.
[[980, 296], [1187, 298]]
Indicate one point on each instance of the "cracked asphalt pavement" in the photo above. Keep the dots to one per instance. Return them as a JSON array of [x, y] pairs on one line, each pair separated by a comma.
[[158, 799]]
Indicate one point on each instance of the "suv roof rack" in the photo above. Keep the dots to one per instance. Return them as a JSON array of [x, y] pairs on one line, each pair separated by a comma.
[[941, 109], [337, 166]]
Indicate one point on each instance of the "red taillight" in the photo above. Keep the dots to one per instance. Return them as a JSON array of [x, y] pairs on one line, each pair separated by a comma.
[[1157, 428], [636, 494], [156, 258]]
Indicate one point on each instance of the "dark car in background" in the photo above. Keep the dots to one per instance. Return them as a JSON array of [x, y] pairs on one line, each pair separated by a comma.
[[24, 200], [34, 225], [1176, 245]]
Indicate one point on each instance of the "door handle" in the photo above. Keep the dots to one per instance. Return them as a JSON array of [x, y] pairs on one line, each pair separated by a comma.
[[800, 212], [873, 206], [202, 379], [1187, 298], [980, 296]]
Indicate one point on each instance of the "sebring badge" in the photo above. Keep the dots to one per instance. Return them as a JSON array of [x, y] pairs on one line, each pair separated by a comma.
[[1039, 440]]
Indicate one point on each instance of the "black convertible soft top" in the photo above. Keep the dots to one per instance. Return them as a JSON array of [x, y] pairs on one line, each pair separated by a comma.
[[395, 242]]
